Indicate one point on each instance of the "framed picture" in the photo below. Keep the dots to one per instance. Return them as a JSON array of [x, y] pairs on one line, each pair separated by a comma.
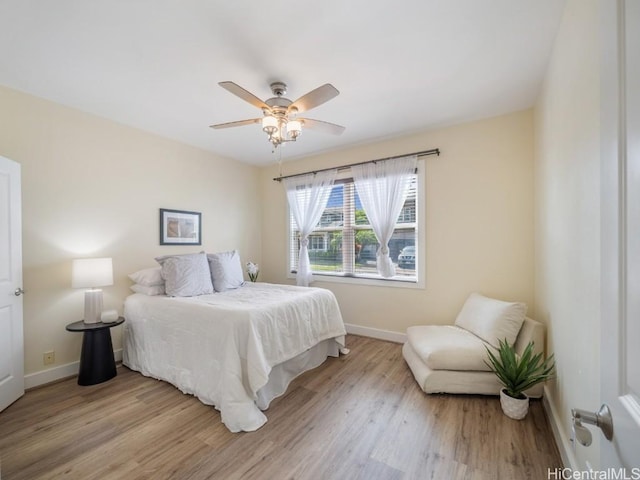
[[178, 227]]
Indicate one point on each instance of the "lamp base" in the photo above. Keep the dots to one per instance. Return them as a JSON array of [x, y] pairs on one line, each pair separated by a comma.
[[92, 305]]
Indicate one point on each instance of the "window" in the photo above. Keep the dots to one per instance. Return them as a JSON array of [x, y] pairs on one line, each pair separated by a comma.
[[318, 242], [343, 243]]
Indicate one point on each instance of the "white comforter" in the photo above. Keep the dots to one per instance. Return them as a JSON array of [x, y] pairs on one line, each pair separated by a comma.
[[221, 347]]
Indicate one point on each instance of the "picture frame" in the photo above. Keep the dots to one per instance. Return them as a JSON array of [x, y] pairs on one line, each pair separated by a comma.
[[180, 227]]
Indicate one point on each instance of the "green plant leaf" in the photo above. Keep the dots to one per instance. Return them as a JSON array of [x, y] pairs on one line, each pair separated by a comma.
[[519, 374]]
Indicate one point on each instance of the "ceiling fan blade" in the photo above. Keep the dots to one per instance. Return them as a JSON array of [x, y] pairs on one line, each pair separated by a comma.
[[243, 94], [239, 123], [325, 127], [315, 97]]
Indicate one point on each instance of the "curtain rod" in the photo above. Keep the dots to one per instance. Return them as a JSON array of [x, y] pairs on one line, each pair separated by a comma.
[[424, 153]]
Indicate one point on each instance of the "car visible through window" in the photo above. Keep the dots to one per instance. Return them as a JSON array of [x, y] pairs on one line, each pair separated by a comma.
[[407, 257]]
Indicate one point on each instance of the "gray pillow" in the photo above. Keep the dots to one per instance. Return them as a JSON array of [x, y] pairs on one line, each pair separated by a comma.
[[186, 275], [226, 270]]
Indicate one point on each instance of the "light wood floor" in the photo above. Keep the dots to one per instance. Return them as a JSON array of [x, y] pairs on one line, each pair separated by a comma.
[[361, 416]]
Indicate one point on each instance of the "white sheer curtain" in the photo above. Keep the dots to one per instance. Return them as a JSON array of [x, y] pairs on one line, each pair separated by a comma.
[[308, 196], [382, 188]]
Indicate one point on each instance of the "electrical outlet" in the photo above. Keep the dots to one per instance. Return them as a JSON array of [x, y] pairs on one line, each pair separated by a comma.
[[49, 357]]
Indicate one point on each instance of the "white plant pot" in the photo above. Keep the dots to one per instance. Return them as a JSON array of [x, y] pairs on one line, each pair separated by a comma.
[[514, 407]]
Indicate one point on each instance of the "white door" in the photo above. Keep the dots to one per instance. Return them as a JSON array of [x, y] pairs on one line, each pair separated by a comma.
[[11, 342], [620, 335]]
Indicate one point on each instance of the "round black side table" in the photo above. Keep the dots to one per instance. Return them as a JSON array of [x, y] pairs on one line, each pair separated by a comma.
[[97, 363]]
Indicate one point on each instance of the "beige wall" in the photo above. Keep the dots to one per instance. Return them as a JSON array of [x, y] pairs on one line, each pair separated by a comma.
[[567, 220], [92, 187], [479, 228]]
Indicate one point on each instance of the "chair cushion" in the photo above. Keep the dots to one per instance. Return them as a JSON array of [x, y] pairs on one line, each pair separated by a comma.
[[447, 347], [492, 320]]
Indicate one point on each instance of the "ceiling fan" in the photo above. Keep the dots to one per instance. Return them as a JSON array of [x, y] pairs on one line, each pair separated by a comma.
[[280, 121]]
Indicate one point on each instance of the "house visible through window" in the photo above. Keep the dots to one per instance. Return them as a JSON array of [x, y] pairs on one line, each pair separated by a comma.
[[344, 244]]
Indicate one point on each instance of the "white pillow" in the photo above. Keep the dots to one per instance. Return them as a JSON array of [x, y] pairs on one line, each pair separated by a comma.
[[226, 270], [151, 291], [492, 320], [149, 277], [186, 275]]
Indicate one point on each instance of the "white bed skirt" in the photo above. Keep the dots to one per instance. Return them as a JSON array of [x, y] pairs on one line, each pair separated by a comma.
[[283, 374], [280, 377]]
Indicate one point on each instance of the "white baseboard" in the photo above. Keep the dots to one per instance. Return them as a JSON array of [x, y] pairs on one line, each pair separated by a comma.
[[388, 335], [564, 444], [58, 373], [70, 369]]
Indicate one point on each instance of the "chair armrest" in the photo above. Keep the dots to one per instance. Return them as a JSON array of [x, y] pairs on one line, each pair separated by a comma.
[[531, 331]]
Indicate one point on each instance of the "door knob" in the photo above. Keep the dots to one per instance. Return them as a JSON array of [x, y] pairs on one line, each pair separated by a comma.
[[601, 419], [18, 291]]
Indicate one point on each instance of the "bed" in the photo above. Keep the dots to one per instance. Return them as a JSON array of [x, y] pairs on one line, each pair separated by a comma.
[[236, 350]]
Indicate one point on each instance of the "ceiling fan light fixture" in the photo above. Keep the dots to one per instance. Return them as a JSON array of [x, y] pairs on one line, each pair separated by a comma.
[[278, 136], [294, 128], [269, 124]]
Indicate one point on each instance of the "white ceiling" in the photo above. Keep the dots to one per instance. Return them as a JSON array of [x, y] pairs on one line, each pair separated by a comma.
[[400, 66]]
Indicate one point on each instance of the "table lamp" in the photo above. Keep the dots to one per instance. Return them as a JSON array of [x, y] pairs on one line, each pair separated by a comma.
[[91, 273]]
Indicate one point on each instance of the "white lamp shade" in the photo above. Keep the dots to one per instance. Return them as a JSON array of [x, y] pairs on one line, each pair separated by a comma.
[[269, 124], [294, 127], [92, 272]]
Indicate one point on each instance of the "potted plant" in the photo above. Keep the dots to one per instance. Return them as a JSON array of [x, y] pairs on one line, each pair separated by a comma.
[[518, 374], [253, 270]]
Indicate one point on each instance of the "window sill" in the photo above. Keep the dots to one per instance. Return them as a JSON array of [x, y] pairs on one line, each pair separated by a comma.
[[396, 282]]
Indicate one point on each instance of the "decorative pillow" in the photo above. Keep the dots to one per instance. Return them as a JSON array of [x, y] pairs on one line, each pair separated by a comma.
[[149, 277], [151, 291], [226, 270], [186, 275], [492, 320]]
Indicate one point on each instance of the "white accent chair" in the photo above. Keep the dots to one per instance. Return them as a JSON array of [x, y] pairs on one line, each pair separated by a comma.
[[451, 358]]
